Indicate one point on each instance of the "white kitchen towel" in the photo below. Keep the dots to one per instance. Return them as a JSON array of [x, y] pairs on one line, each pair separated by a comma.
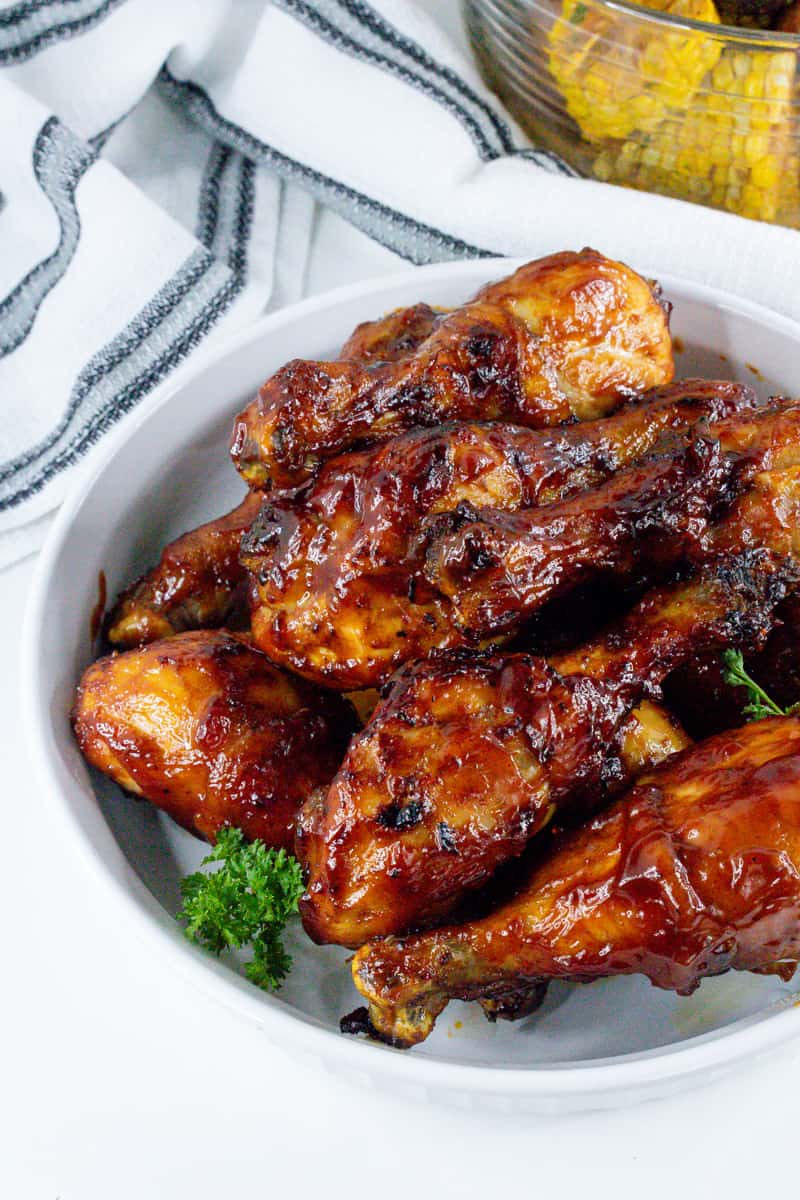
[[160, 161]]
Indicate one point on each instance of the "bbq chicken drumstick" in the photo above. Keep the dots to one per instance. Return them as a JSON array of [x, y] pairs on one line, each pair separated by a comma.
[[565, 337], [498, 569], [694, 872], [468, 757], [338, 591], [194, 585], [205, 727]]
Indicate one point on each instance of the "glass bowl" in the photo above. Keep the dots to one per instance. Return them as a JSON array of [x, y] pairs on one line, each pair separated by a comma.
[[665, 99]]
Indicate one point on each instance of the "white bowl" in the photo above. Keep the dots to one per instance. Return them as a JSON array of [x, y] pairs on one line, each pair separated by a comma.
[[613, 1042]]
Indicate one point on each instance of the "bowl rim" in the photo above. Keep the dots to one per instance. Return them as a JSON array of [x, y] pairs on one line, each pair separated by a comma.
[[137, 910], [761, 39]]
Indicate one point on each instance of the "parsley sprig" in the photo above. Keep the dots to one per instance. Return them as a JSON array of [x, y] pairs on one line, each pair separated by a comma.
[[760, 703], [246, 901]]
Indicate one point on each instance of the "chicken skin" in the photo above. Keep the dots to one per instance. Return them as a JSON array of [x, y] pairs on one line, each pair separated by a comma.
[[205, 727], [338, 591], [468, 757], [394, 337], [650, 734], [499, 568], [195, 584], [695, 871], [565, 337]]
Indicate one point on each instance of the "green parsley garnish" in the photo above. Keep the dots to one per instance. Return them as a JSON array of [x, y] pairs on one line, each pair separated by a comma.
[[760, 704], [578, 13], [245, 902]]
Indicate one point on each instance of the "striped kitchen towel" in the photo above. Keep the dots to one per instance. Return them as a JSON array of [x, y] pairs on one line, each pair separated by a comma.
[[160, 163]]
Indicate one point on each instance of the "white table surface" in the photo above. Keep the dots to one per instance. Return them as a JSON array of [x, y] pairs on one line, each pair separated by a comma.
[[117, 1083]]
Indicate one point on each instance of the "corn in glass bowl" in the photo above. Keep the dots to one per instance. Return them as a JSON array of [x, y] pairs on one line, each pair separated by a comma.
[[663, 98]]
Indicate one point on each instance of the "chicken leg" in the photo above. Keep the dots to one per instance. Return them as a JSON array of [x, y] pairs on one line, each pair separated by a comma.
[[695, 871], [565, 337], [499, 568], [207, 728]]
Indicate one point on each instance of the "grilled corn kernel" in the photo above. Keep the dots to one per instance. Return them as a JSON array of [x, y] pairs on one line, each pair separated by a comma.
[[617, 76], [672, 112], [739, 157]]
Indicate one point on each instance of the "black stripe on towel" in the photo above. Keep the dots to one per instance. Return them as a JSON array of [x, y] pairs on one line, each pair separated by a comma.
[[413, 53], [208, 208], [314, 19], [414, 240], [27, 29], [134, 362], [422, 70], [60, 160]]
